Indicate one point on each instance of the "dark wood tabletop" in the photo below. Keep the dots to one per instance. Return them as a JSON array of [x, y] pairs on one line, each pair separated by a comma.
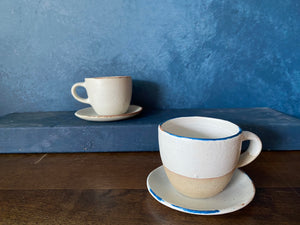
[[110, 188]]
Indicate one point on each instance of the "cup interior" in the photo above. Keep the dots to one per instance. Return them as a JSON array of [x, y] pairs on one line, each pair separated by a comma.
[[203, 128]]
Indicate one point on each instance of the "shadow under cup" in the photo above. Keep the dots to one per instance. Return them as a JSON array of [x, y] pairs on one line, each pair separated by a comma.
[[200, 154]]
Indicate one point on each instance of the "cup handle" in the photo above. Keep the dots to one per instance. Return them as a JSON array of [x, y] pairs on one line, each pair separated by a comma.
[[76, 96], [253, 150]]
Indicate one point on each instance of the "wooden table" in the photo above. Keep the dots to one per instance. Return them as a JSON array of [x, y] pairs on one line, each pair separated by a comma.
[[110, 188]]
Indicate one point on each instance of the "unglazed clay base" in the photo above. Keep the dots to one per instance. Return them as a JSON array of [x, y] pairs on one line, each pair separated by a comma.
[[237, 194], [198, 188], [90, 115]]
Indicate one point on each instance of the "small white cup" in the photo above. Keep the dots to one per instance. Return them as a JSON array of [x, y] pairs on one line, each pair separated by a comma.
[[200, 154], [107, 95]]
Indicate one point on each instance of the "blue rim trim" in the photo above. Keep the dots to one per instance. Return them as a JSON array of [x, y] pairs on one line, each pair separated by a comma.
[[156, 196], [197, 211], [202, 139], [194, 211]]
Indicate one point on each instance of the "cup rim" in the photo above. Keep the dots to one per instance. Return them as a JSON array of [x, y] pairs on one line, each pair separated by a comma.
[[107, 77], [202, 139]]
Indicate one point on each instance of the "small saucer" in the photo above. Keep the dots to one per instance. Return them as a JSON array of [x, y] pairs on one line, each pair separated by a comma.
[[90, 115], [239, 193]]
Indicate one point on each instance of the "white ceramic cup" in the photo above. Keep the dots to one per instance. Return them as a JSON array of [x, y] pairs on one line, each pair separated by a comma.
[[200, 154], [107, 95]]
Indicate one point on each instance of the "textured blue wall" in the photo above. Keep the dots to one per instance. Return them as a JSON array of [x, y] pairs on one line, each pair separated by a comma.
[[181, 54]]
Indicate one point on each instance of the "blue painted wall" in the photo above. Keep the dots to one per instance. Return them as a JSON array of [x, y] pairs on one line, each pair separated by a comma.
[[181, 54]]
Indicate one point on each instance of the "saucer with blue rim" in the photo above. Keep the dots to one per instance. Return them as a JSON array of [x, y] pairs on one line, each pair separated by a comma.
[[238, 193]]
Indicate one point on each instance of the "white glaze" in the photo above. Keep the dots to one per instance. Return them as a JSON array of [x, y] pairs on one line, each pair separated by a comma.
[[107, 95], [90, 115], [202, 147]]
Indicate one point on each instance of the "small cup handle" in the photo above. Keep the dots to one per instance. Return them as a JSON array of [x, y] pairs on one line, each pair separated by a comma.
[[76, 96], [253, 150]]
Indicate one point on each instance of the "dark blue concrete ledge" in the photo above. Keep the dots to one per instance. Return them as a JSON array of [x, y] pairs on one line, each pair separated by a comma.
[[63, 132]]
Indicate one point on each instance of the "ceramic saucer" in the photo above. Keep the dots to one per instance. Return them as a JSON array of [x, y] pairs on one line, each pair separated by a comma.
[[90, 115], [239, 193]]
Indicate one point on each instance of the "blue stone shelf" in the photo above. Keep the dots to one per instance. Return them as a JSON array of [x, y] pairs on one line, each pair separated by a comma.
[[46, 132]]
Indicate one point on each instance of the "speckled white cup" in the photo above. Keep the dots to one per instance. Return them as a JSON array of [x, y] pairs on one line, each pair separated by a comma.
[[107, 95], [200, 154]]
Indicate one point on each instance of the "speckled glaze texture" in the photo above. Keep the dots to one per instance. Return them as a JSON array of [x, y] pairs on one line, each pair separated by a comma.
[[186, 148], [200, 154], [108, 96], [180, 54]]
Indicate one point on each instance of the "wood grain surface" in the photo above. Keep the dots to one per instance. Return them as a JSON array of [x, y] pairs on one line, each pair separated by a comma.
[[110, 188]]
